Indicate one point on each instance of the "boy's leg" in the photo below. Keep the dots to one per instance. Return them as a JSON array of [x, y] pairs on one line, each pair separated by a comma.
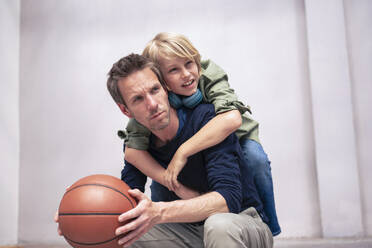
[[259, 165], [178, 235], [244, 230]]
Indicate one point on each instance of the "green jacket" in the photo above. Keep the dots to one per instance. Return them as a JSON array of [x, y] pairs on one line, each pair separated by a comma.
[[216, 90]]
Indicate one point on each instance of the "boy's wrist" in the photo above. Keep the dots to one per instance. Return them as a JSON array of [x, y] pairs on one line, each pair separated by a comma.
[[184, 151]]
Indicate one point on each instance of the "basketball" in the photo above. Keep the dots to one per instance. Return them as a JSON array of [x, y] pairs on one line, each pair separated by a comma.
[[89, 210]]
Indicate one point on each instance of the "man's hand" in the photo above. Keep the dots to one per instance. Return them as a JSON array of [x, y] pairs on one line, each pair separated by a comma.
[[56, 218], [139, 220], [56, 221], [171, 173]]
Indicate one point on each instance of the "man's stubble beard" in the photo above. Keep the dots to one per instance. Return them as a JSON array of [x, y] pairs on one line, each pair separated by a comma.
[[166, 124]]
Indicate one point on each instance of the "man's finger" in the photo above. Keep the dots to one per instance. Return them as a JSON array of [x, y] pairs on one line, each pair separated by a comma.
[[136, 193], [56, 217], [132, 236], [135, 212], [56, 220]]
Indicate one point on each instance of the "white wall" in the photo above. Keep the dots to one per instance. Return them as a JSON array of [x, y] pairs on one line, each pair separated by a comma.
[[68, 120], [9, 120], [334, 133], [358, 26]]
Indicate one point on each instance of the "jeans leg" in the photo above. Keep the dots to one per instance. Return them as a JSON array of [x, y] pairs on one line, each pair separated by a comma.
[[259, 165]]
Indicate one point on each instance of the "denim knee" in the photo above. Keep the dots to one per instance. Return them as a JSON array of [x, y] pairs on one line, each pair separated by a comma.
[[255, 156]]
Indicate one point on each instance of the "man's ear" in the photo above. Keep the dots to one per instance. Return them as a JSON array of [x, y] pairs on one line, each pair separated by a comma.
[[125, 110], [166, 87]]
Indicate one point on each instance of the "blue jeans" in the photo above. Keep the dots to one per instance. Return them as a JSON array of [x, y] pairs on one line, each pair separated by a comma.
[[259, 165]]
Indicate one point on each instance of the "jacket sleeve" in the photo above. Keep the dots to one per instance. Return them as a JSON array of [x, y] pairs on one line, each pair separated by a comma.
[[214, 84], [136, 135]]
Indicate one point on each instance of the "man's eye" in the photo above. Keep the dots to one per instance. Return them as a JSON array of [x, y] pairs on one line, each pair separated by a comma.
[[155, 89], [137, 98]]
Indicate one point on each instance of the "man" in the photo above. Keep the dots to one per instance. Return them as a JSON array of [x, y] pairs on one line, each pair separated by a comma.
[[229, 212]]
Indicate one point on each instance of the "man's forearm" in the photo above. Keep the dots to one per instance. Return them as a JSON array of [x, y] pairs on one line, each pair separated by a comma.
[[192, 210], [148, 213]]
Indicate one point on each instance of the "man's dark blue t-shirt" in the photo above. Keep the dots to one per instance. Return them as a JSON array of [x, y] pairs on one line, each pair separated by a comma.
[[218, 168]]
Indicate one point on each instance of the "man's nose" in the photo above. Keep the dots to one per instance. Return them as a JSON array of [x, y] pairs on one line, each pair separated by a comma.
[[151, 102]]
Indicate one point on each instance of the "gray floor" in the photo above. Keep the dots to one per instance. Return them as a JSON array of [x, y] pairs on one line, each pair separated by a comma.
[[323, 243], [286, 243]]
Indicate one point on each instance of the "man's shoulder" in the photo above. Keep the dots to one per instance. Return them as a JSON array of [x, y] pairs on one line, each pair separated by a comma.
[[204, 108], [200, 115]]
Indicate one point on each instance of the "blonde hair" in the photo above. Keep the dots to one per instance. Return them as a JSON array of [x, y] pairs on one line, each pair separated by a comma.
[[171, 45]]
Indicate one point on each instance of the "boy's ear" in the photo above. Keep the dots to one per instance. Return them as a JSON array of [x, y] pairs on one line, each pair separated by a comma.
[[125, 110]]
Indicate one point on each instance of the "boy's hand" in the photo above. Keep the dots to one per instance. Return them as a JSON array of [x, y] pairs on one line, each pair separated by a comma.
[[171, 173]]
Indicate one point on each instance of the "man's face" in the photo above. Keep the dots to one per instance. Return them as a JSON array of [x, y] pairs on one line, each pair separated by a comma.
[[146, 99]]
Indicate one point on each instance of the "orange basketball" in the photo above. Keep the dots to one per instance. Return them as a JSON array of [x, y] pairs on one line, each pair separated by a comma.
[[89, 210]]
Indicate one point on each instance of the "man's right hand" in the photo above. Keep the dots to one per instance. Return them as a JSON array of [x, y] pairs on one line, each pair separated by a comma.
[[139, 219], [56, 220]]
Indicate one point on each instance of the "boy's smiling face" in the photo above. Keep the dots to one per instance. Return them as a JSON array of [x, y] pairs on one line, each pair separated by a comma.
[[180, 74]]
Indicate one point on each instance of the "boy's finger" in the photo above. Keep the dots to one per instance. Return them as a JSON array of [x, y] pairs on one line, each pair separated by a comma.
[[176, 183], [168, 181]]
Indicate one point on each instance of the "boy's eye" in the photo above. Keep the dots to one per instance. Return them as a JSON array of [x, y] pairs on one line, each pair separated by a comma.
[[189, 62], [173, 69]]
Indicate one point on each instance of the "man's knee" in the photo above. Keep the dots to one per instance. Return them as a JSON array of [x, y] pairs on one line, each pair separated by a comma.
[[233, 230], [220, 228], [217, 223]]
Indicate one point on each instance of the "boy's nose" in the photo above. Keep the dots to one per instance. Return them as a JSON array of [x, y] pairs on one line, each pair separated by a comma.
[[185, 73]]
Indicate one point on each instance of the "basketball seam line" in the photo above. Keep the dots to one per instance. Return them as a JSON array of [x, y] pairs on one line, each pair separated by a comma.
[[97, 184]]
